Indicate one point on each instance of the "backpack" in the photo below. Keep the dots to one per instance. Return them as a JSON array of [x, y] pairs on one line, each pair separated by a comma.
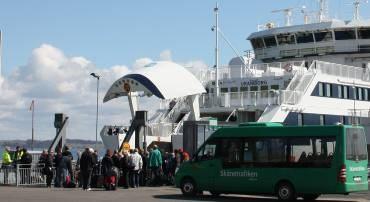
[[131, 164]]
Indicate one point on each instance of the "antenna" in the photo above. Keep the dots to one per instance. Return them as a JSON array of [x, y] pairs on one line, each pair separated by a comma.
[[288, 15], [306, 17], [356, 12], [216, 49], [323, 12], [1, 51]]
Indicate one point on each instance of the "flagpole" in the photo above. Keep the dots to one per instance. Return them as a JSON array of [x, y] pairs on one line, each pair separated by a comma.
[[33, 115]]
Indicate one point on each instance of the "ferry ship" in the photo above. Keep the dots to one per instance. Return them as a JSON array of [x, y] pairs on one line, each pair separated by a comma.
[[316, 73]]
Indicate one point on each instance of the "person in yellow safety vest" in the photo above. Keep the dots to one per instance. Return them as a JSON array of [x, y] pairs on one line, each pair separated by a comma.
[[18, 154], [7, 161]]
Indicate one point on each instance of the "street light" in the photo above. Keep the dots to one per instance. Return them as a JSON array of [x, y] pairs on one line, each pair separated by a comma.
[[97, 107]]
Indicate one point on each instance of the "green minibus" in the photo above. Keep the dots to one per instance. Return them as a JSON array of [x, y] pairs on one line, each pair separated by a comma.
[[272, 159]]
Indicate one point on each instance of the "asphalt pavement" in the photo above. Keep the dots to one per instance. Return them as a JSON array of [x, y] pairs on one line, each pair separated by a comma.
[[142, 194]]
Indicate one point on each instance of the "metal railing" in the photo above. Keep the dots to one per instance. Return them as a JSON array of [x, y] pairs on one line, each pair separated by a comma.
[[249, 98], [345, 71], [30, 175], [23, 175]]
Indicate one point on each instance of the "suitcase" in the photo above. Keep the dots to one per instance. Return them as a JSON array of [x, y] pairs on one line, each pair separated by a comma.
[[110, 182], [68, 183]]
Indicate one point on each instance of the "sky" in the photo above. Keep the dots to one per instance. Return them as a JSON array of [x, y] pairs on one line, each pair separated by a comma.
[[49, 49]]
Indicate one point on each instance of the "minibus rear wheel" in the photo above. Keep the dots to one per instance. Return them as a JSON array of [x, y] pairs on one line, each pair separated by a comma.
[[188, 187], [285, 191]]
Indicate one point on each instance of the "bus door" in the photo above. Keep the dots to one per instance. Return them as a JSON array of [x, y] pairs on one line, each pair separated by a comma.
[[206, 165]]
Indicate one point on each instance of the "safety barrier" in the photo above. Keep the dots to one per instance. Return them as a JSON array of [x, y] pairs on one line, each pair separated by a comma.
[[28, 175], [23, 175]]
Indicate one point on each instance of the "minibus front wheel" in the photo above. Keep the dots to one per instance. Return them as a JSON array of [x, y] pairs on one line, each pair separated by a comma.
[[188, 187], [285, 191]]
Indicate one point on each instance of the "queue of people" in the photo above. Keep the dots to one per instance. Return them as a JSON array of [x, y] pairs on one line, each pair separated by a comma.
[[131, 168], [128, 169]]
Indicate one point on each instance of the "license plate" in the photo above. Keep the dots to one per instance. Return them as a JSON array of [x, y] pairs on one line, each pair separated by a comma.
[[357, 179]]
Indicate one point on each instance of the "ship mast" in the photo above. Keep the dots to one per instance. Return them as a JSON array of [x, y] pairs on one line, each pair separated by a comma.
[[216, 50], [323, 12], [356, 13]]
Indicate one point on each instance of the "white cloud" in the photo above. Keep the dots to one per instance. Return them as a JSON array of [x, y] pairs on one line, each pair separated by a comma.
[[141, 63], [59, 83], [165, 55]]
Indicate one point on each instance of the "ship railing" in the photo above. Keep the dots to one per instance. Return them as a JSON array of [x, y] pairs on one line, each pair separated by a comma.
[[345, 71], [257, 70], [250, 98]]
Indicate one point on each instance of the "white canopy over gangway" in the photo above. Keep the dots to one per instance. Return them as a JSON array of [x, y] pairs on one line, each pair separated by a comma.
[[166, 80]]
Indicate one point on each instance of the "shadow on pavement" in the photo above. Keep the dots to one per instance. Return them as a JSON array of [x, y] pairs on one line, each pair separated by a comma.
[[174, 197]]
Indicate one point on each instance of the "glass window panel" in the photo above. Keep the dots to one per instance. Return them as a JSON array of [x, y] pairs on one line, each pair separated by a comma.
[[356, 144], [364, 33], [344, 34], [234, 89], [270, 41], [366, 94], [321, 89], [257, 43], [284, 39], [231, 150], [304, 37], [340, 94], [264, 87], [254, 88], [244, 88], [323, 36], [224, 90], [345, 92], [312, 151], [328, 90], [359, 93], [275, 87]]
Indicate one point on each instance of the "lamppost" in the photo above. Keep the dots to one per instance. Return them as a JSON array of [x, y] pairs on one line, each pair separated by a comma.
[[97, 107]]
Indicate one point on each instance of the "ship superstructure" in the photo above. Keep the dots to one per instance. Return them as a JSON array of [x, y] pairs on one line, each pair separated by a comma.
[[311, 74]]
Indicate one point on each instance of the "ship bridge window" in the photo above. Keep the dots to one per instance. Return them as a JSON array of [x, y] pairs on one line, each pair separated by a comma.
[[284, 39], [345, 34], [257, 43], [323, 36], [304, 37], [364, 33], [270, 41]]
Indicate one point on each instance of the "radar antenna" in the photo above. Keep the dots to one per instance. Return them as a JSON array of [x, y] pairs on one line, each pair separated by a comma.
[[356, 13], [288, 15]]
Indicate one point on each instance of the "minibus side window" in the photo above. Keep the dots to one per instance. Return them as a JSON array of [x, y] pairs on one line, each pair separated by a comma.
[[311, 151], [270, 152], [208, 151], [231, 152]]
